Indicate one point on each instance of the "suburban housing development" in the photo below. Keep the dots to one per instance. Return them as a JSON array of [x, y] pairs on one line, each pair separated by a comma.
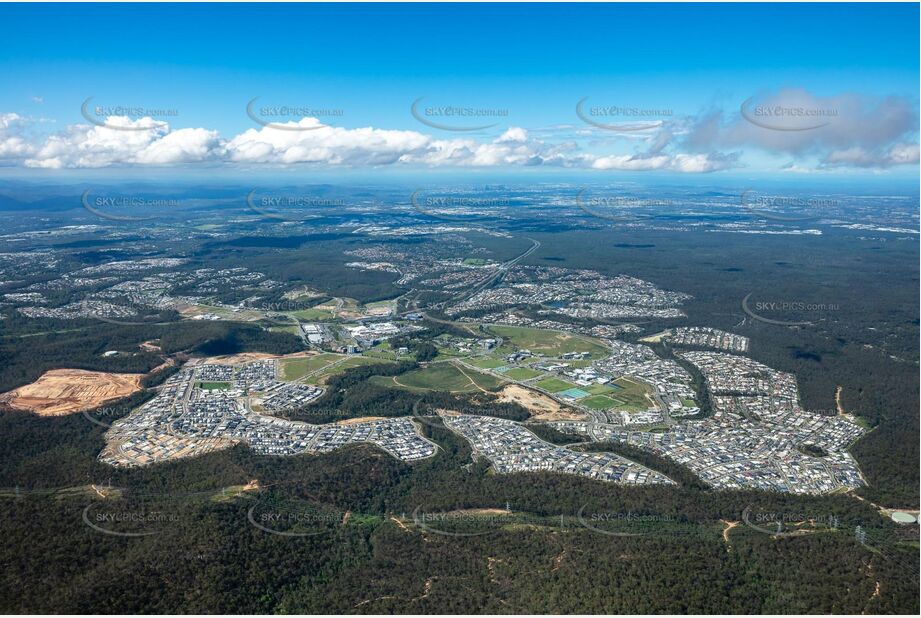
[[757, 434]]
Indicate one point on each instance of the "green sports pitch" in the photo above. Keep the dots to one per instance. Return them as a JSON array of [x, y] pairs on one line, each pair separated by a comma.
[[554, 385]]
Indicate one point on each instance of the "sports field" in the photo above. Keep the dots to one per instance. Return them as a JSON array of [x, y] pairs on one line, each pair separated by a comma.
[[599, 389], [574, 393], [554, 385], [632, 396], [598, 402], [213, 386]]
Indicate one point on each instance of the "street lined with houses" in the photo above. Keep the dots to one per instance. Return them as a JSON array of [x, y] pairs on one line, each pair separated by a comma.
[[211, 406]]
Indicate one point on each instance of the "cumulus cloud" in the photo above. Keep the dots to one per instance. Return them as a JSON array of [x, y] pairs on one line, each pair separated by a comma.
[[13, 145], [858, 133], [631, 163], [845, 129], [368, 146], [304, 142], [514, 134], [82, 146], [701, 163], [898, 154], [325, 144], [685, 163]]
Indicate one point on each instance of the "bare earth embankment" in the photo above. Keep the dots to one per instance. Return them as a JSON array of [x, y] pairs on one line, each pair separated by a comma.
[[66, 391], [541, 407]]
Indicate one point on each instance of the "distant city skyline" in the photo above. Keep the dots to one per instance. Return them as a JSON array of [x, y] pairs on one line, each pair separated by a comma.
[[607, 90]]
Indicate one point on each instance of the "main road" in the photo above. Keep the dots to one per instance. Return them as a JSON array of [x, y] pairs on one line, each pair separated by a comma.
[[491, 279]]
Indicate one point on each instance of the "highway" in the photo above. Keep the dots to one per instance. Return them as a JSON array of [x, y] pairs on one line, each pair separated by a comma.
[[491, 279]]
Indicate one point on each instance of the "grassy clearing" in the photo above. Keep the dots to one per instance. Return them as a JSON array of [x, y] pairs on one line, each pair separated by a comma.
[[312, 314], [632, 396], [390, 355], [354, 361], [297, 368], [225, 313], [388, 304], [293, 329], [485, 362], [385, 351], [522, 373], [441, 377], [548, 342]]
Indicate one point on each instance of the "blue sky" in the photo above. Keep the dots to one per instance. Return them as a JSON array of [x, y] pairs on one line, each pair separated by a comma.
[[368, 63]]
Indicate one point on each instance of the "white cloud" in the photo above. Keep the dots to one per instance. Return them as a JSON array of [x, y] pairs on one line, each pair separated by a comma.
[[119, 143], [684, 163], [632, 163], [325, 145], [898, 154], [85, 146], [702, 163], [13, 146], [862, 134], [514, 134], [182, 146]]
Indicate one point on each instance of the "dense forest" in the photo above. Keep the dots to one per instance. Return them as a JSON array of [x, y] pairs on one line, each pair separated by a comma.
[[204, 553]]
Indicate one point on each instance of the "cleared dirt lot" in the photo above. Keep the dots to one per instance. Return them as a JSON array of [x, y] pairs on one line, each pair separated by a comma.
[[66, 391], [243, 357], [541, 407], [363, 419]]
